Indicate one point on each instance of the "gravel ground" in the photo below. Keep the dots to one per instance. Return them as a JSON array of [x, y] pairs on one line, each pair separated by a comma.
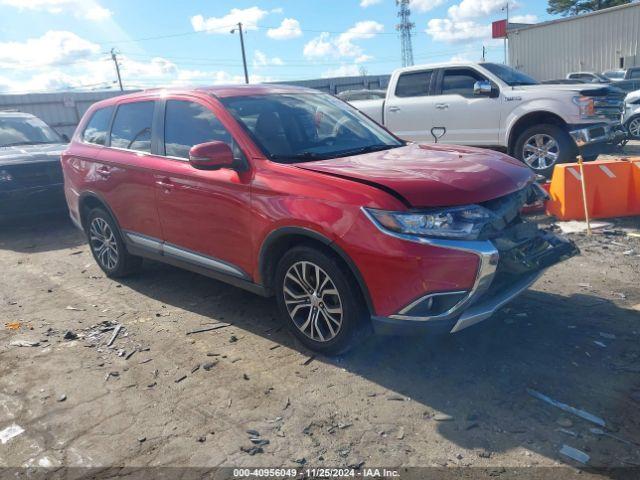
[[162, 397]]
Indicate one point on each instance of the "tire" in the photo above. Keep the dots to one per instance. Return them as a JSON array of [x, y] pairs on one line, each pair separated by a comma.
[[633, 127], [564, 148], [299, 299], [107, 246]]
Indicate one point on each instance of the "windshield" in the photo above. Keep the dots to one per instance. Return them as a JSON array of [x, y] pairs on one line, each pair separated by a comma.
[[510, 76], [615, 74], [300, 127], [26, 131]]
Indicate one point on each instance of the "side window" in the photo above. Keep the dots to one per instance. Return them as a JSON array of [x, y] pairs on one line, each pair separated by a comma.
[[460, 81], [635, 74], [414, 84], [187, 124], [132, 126], [98, 126]]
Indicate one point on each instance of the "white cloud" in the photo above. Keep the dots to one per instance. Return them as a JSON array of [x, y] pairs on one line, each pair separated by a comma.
[[447, 30], [86, 9], [260, 59], [342, 46], [425, 5], [368, 3], [468, 9], [528, 18], [342, 71], [53, 48], [222, 25], [318, 47], [289, 28]]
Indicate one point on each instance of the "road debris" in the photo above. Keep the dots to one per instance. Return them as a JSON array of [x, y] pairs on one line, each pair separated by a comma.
[[62, 398], [74, 309], [567, 408], [252, 450], [600, 344], [70, 335], [574, 454], [308, 360], [180, 378], [116, 332], [208, 329], [13, 325], [10, 432], [442, 417], [601, 433], [24, 343]]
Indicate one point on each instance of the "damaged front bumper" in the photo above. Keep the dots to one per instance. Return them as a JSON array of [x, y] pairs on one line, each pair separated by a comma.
[[508, 263]]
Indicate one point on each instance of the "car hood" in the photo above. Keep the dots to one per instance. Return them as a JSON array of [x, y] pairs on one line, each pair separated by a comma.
[[432, 175], [597, 89], [19, 154]]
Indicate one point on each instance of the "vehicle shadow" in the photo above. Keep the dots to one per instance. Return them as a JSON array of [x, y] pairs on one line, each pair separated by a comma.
[[40, 233], [479, 377]]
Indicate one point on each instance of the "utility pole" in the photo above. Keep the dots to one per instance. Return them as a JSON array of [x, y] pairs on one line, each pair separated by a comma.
[[244, 56], [115, 61], [506, 36], [484, 53], [405, 27]]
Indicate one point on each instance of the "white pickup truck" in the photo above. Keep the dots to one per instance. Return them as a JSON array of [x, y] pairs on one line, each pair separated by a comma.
[[493, 105]]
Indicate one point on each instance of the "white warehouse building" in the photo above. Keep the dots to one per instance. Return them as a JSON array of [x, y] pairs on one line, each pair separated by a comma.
[[594, 42]]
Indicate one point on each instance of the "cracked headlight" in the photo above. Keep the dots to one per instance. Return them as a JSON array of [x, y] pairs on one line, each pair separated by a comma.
[[586, 106], [460, 223]]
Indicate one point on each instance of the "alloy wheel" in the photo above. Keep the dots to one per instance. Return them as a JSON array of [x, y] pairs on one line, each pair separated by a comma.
[[313, 301], [634, 127], [541, 151], [103, 243]]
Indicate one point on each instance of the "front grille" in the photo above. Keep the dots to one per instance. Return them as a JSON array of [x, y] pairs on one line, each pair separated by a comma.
[[610, 107]]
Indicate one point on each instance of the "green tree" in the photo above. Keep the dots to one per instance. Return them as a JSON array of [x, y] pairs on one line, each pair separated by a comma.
[[575, 7]]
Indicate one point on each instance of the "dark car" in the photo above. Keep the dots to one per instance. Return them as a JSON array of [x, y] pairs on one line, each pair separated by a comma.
[[30, 171]]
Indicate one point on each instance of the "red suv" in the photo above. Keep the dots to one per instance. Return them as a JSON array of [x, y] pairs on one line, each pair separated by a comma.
[[291, 192]]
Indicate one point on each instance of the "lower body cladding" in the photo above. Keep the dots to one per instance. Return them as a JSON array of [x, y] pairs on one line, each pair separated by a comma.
[[508, 265]]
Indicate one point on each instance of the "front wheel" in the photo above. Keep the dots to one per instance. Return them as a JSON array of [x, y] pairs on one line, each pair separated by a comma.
[[319, 300], [542, 147], [633, 127]]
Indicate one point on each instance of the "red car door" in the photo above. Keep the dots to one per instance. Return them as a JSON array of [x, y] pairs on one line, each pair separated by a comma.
[[205, 215], [124, 174]]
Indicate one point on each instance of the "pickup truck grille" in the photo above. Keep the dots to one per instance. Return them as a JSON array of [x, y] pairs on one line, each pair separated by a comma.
[[610, 106]]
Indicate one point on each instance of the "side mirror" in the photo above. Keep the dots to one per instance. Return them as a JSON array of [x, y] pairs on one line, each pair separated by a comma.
[[482, 88], [211, 156]]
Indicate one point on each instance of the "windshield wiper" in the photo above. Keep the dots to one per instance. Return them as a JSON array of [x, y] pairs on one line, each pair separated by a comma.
[[300, 156], [15, 144], [367, 149]]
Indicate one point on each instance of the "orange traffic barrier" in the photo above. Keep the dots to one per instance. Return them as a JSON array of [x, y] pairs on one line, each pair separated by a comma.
[[612, 189]]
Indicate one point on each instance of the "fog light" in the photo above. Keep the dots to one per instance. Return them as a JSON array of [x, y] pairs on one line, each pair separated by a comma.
[[5, 176]]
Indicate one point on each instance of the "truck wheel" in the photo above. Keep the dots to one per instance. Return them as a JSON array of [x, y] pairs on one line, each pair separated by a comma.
[[107, 246], [633, 127], [542, 147], [319, 300]]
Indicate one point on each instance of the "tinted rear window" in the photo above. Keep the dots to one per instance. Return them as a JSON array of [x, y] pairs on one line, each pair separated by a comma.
[[98, 126], [132, 126], [414, 84]]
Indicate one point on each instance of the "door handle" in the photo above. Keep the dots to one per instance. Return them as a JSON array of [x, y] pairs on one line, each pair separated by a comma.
[[442, 106], [394, 109], [103, 171], [165, 184]]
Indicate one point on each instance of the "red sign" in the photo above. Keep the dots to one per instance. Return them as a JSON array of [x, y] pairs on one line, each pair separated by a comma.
[[499, 29]]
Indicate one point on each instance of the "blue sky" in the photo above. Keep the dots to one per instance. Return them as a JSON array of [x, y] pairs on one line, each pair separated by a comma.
[[54, 45]]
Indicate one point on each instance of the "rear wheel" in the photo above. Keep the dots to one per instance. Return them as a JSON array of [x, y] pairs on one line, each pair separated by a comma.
[[542, 147], [319, 300], [107, 246], [633, 127]]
